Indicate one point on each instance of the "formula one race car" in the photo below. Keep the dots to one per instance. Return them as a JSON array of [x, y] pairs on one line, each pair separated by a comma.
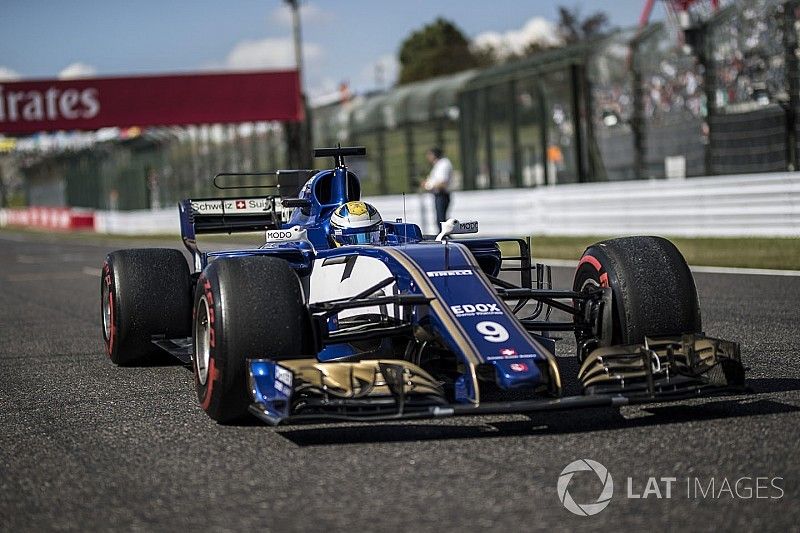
[[340, 315]]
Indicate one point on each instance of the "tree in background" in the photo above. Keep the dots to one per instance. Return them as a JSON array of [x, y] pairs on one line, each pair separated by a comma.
[[437, 49], [441, 48], [494, 48], [573, 29]]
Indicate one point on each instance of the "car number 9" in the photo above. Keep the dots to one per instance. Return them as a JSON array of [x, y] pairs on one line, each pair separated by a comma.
[[492, 331]]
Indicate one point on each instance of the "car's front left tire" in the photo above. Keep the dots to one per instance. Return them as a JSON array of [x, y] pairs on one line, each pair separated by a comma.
[[244, 308]]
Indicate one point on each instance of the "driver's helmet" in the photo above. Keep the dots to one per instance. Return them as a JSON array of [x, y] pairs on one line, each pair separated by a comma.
[[356, 223]]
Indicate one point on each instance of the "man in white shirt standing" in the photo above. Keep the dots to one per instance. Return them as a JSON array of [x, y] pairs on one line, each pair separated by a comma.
[[438, 181]]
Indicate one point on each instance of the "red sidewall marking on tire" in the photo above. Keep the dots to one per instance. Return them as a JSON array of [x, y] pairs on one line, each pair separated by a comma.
[[592, 261], [213, 371], [211, 315], [213, 375], [112, 328], [598, 266]]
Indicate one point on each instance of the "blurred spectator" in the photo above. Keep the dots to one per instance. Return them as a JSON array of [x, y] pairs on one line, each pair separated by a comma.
[[438, 182]]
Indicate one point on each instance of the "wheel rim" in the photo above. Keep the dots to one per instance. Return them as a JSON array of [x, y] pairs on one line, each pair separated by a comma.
[[202, 336], [105, 298], [589, 284]]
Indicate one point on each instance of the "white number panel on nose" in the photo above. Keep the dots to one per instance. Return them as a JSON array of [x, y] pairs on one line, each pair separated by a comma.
[[345, 276]]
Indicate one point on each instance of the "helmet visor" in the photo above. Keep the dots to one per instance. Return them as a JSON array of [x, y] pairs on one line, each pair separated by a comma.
[[368, 237]]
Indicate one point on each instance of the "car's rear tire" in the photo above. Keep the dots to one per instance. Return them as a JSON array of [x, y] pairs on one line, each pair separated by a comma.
[[244, 308], [143, 292], [654, 293]]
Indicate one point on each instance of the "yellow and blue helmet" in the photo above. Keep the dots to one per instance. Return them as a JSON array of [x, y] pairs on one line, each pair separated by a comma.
[[356, 223]]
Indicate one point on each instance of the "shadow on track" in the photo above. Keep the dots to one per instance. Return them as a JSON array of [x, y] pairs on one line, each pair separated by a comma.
[[156, 359], [554, 423]]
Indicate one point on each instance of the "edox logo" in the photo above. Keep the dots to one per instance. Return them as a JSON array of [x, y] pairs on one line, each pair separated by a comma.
[[585, 509]]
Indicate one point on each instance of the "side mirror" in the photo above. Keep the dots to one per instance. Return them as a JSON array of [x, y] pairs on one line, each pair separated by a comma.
[[294, 234], [454, 227]]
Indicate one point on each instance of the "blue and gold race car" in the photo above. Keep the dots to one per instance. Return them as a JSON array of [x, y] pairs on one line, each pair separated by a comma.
[[340, 315]]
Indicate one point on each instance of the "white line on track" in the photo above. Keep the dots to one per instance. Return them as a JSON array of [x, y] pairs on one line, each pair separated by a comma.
[[746, 271], [52, 258], [44, 276], [13, 238], [47, 276], [702, 269]]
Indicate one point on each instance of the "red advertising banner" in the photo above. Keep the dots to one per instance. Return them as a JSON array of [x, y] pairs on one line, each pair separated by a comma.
[[92, 103]]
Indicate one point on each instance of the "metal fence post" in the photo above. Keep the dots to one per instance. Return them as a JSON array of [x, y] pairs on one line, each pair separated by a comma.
[[514, 124], [306, 138], [637, 114], [544, 131], [792, 80], [465, 140], [3, 193], [438, 129], [294, 143], [705, 30], [575, 81], [487, 121], [255, 153], [594, 160], [383, 184], [411, 165]]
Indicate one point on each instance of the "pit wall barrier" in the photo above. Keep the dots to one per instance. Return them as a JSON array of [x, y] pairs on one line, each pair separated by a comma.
[[720, 206]]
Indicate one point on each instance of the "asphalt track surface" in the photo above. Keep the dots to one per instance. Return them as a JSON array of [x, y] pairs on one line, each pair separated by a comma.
[[88, 446]]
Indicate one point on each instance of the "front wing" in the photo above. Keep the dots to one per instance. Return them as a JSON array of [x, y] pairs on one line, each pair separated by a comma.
[[662, 370]]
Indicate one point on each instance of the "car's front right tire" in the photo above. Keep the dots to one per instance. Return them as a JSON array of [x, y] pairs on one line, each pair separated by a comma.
[[654, 292], [143, 292], [244, 308]]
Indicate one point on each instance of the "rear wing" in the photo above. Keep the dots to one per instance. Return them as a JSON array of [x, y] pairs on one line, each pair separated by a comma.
[[245, 213], [230, 215], [201, 216]]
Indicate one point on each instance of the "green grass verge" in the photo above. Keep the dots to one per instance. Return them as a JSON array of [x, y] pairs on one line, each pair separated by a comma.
[[749, 252]]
